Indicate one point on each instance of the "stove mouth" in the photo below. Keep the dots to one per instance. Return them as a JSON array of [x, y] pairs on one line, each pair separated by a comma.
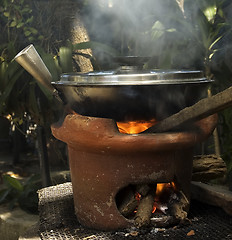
[[157, 205]]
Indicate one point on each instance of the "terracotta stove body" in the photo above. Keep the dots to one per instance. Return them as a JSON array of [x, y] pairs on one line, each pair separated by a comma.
[[104, 161]]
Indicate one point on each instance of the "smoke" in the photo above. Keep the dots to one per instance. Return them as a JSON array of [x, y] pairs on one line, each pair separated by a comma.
[[138, 27], [154, 28]]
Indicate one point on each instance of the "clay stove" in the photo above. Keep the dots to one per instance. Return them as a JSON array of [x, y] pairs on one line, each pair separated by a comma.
[[103, 161]]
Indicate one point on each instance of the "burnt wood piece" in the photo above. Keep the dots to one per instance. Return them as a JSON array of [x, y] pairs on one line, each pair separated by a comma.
[[179, 207], [143, 189], [129, 203], [208, 167], [200, 110], [144, 211], [164, 221], [212, 195]]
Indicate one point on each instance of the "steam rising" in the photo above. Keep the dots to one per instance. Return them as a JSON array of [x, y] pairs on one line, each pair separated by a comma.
[[138, 27], [154, 28]]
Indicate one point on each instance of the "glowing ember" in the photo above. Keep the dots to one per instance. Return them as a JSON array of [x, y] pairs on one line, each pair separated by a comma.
[[134, 127], [138, 196], [154, 209]]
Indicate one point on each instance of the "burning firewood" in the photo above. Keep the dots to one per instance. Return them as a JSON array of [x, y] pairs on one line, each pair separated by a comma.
[[130, 201], [175, 210], [163, 221], [143, 189], [159, 205], [128, 204], [144, 211], [178, 206]]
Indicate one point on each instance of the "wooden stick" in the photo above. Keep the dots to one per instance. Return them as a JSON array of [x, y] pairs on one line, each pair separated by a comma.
[[164, 221], [200, 110], [143, 189], [144, 211], [178, 209], [129, 203]]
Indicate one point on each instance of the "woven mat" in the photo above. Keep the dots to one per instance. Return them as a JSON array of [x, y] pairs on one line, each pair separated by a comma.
[[58, 221]]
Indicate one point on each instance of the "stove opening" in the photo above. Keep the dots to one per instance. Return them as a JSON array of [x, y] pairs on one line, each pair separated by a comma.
[[134, 127], [159, 205]]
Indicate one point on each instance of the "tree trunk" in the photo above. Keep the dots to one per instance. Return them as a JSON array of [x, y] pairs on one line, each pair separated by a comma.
[[80, 34]]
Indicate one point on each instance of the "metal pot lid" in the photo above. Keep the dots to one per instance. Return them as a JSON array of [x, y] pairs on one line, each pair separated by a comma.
[[126, 75]]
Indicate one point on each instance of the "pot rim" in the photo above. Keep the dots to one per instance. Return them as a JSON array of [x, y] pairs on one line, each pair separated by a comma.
[[117, 78]]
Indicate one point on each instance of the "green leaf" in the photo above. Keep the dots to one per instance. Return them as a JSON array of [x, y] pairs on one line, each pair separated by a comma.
[[13, 72], [19, 25], [31, 39], [33, 30], [157, 30], [6, 14], [41, 37], [171, 30], [210, 12], [3, 68], [65, 57], [13, 24], [27, 33], [29, 20], [213, 43], [204, 27], [13, 182], [49, 61]]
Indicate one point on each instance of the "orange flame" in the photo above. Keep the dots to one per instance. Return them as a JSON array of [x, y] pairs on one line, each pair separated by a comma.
[[160, 189], [134, 127], [161, 186], [154, 209]]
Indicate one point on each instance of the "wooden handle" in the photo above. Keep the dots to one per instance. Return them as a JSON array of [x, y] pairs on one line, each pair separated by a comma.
[[199, 110]]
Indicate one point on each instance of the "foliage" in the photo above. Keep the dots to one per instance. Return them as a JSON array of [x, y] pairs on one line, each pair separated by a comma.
[[16, 24], [19, 92], [16, 30], [18, 193], [199, 36]]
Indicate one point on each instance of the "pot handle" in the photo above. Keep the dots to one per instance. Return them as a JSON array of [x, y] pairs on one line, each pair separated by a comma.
[[31, 61]]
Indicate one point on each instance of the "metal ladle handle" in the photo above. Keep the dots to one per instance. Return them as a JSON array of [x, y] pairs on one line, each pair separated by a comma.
[[31, 61]]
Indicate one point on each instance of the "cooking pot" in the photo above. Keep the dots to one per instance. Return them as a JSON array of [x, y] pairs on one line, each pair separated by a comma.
[[128, 94]]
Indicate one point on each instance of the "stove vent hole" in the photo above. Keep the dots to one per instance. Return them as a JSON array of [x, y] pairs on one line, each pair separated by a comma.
[[157, 204]]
